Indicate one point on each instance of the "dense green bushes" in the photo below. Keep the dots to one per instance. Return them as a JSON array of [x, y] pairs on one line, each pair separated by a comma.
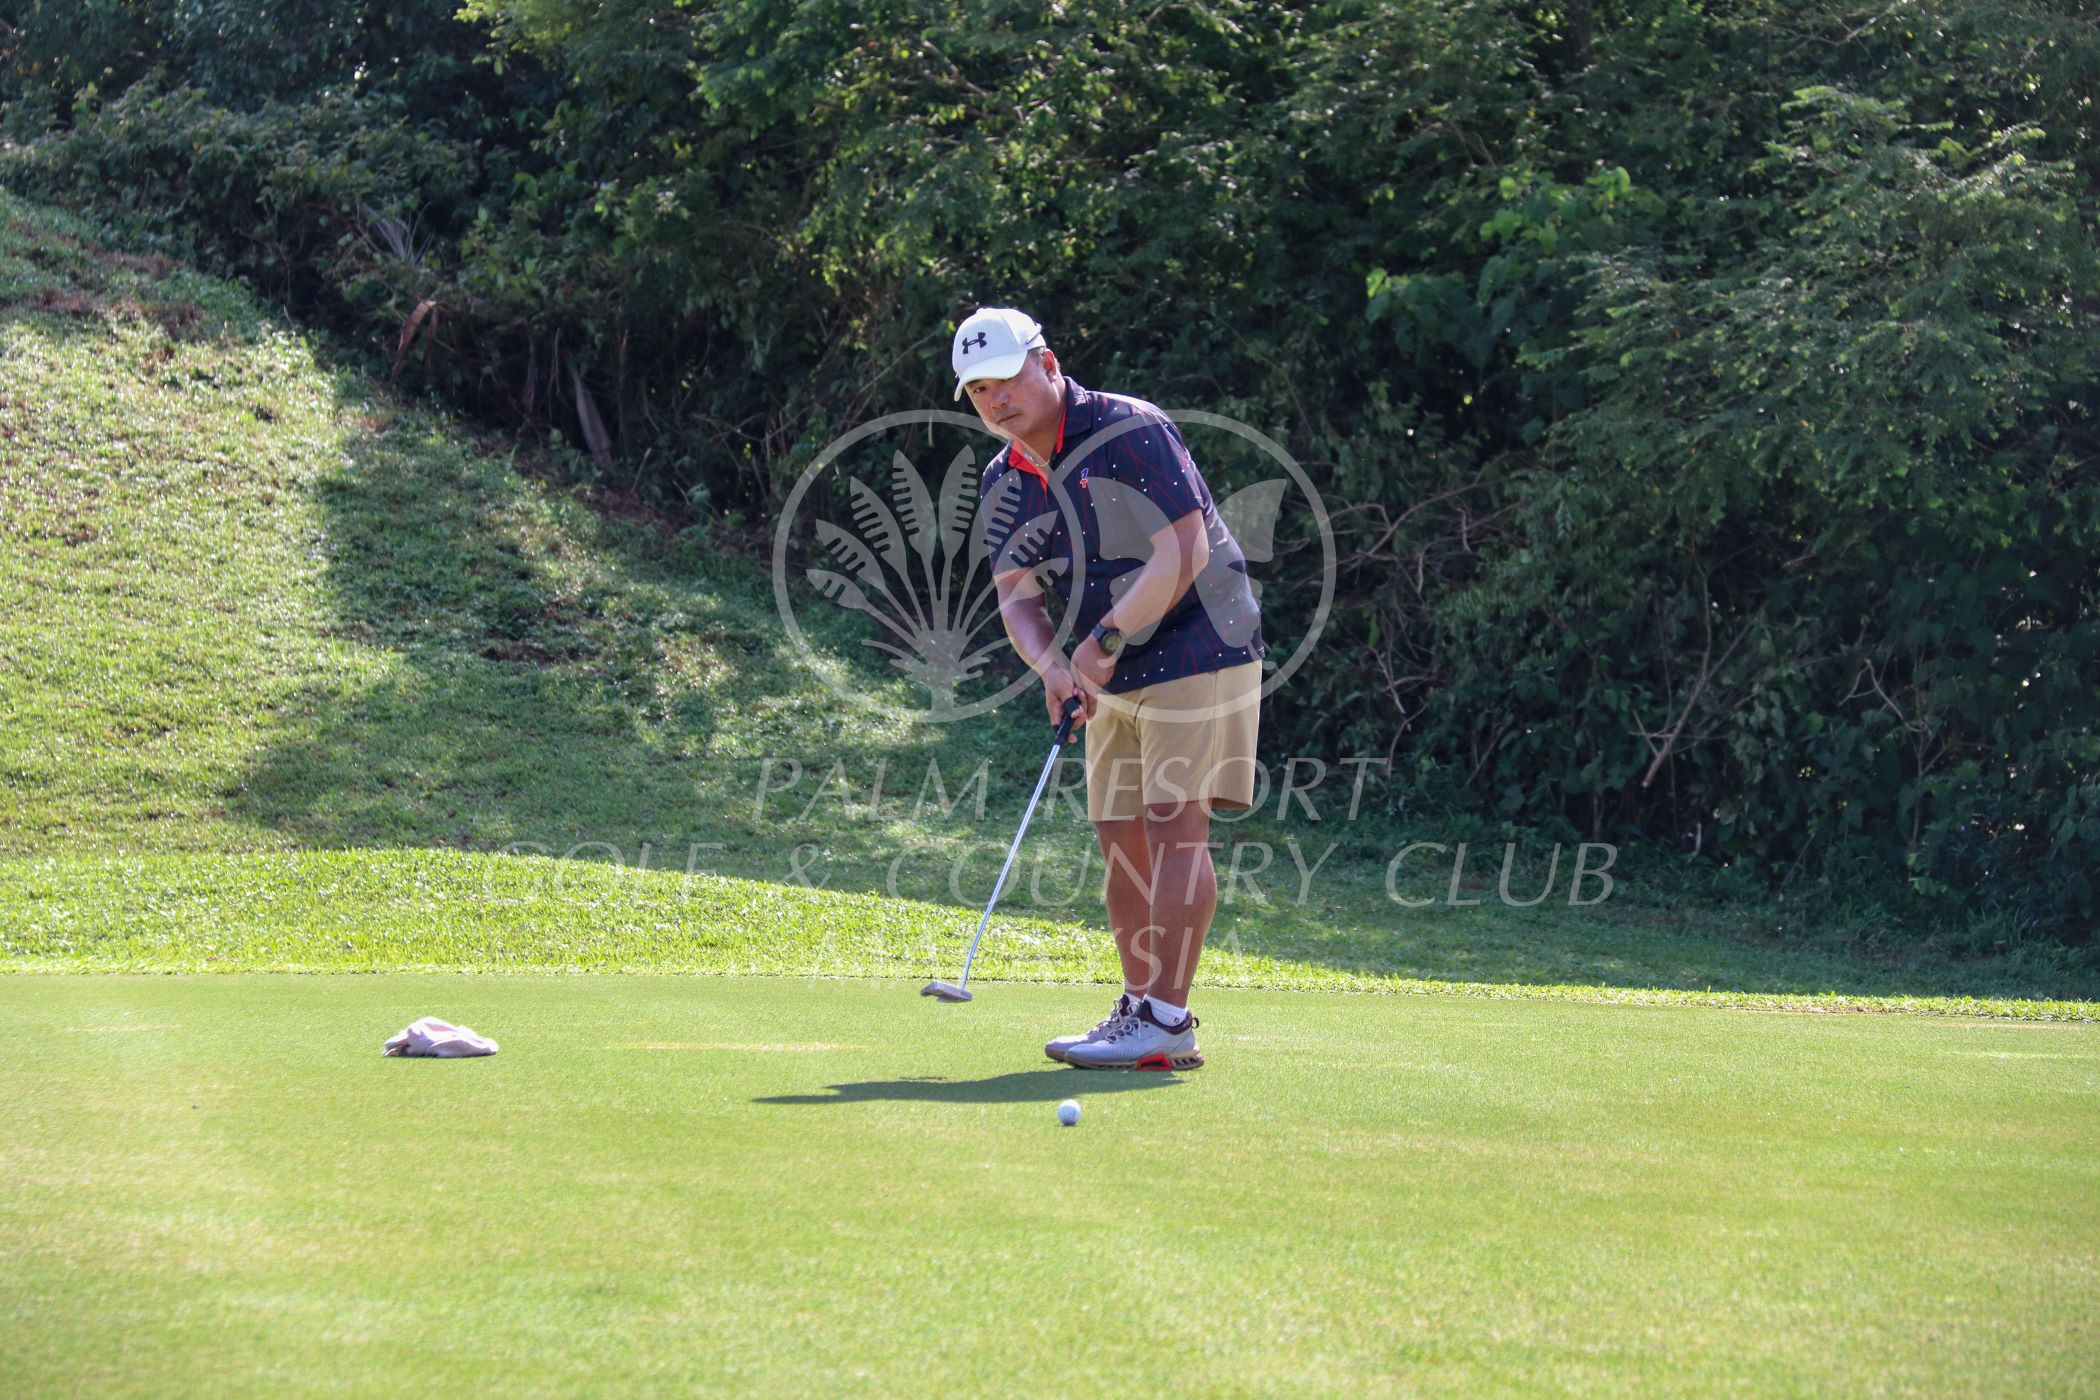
[[285, 196], [1816, 562], [418, 56], [1707, 390]]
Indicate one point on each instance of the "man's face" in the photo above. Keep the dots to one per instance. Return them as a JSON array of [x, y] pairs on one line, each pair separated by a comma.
[[1027, 405]]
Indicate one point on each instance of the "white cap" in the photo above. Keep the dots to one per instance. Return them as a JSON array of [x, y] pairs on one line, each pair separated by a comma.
[[993, 343]]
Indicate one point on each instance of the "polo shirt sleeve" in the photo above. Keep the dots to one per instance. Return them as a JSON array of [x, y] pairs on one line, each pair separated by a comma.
[[1156, 462], [1011, 528]]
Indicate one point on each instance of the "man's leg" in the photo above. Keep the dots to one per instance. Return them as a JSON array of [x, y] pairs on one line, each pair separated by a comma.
[[1128, 895], [1216, 749], [1199, 763], [1184, 894], [1125, 845], [1164, 950]]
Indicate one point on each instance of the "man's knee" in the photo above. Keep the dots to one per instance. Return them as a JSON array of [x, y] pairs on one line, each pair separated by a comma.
[[1125, 834], [1127, 849], [1177, 822]]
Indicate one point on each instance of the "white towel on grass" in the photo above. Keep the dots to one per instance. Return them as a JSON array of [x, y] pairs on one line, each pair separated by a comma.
[[440, 1039]]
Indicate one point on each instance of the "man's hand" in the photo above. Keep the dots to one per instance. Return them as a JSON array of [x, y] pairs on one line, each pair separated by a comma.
[[1058, 685], [1092, 667]]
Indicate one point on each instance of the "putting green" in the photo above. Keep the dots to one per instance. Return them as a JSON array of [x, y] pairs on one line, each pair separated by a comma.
[[217, 1185]]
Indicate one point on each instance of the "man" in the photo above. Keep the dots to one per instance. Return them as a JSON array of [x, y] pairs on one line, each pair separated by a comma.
[[1167, 665]]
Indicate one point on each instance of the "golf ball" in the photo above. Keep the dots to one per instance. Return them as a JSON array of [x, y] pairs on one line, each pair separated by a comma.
[[1068, 1112]]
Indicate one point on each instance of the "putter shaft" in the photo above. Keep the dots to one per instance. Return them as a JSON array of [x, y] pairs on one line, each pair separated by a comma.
[[1057, 747]]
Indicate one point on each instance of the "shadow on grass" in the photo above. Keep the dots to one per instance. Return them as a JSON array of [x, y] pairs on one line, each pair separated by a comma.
[[553, 678], [1029, 1086]]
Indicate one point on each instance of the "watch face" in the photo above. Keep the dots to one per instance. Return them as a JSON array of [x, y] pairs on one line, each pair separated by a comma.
[[1110, 641]]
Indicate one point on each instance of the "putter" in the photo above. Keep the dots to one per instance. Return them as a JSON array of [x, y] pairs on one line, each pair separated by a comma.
[[960, 991]]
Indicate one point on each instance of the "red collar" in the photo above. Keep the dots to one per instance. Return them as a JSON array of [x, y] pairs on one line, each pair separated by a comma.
[[1017, 452]]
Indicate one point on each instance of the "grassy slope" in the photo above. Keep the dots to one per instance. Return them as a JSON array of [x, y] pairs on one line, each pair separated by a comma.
[[286, 659], [734, 1186]]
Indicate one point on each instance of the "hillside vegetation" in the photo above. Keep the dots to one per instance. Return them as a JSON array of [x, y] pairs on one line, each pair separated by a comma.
[[300, 674]]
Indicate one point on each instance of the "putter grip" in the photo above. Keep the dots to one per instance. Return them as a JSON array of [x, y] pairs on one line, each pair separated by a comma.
[[1064, 724]]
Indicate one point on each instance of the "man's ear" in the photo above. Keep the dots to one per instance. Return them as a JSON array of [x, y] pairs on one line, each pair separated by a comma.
[[1049, 360]]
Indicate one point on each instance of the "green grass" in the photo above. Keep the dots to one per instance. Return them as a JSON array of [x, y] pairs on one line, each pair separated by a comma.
[[438, 909], [794, 1186]]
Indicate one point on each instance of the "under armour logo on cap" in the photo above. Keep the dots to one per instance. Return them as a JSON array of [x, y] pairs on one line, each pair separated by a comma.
[[1002, 338]]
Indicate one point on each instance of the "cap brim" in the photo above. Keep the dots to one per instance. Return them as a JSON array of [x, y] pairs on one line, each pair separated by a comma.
[[1005, 368]]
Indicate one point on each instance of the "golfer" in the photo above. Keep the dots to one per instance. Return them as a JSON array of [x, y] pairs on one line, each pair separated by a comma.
[[1167, 661]]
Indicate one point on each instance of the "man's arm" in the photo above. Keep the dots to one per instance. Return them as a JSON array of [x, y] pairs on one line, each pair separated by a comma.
[[1034, 635], [1027, 619], [1180, 549]]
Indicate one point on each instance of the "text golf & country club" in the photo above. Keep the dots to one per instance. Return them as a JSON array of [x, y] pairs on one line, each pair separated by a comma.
[[1418, 874], [1418, 866]]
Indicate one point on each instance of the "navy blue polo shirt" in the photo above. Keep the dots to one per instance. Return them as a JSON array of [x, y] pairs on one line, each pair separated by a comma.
[[1127, 473]]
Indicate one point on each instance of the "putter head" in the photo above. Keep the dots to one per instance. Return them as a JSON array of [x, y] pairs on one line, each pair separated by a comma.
[[946, 991]]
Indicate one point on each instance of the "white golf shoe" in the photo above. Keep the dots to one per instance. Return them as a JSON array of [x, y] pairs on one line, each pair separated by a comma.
[[1140, 1042], [1126, 1007]]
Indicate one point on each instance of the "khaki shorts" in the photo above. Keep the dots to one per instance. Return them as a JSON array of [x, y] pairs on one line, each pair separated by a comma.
[[1174, 742]]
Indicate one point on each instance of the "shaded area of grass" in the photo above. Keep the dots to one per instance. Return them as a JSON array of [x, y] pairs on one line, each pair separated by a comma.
[[436, 909], [668, 1186], [251, 601]]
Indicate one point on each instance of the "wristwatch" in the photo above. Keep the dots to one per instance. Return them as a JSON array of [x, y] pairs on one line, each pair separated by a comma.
[[1108, 638]]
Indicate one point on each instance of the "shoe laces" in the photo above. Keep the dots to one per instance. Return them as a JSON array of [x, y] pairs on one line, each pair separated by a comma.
[[1116, 1017], [1134, 1024]]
